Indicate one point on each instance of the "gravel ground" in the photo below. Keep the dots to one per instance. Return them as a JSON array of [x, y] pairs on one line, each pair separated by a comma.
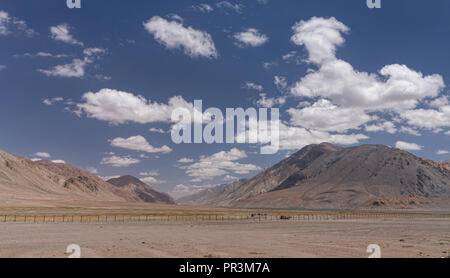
[[299, 239]]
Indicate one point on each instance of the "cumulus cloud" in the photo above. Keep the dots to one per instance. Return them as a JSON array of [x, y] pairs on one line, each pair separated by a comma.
[[173, 35], [442, 152], [428, 118], [325, 116], [138, 143], [408, 146], [250, 37], [219, 164], [395, 90], [398, 88], [293, 137], [296, 137], [386, 126], [118, 107], [62, 33], [119, 161], [320, 36]]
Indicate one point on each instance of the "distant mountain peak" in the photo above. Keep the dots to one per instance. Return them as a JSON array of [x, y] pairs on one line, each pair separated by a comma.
[[328, 176], [140, 191]]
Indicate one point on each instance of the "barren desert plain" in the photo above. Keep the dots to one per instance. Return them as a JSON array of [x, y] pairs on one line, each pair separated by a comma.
[[194, 232]]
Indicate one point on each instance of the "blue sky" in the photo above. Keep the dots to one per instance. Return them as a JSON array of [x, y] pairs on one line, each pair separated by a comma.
[[338, 71]]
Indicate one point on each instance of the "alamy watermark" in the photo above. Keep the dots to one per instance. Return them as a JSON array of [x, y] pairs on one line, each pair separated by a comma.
[[371, 4], [71, 4], [240, 126]]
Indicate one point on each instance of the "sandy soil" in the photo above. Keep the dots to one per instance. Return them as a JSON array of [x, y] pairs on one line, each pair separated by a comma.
[[337, 238]]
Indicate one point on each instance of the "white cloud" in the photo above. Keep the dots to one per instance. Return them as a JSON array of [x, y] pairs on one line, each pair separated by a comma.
[[157, 130], [228, 5], [62, 33], [219, 164], [269, 65], [59, 161], [119, 161], [205, 8], [447, 133], [42, 54], [109, 177], [320, 36], [52, 101], [280, 82], [94, 51], [428, 118], [186, 160], [4, 19], [250, 37], [252, 86], [442, 152], [76, 69], [9, 25], [394, 90], [397, 89], [409, 130], [138, 143], [2, 67], [173, 35], [119, 107], [386, 126], [43, 155], [152, 180], [408, 146], [325, 116], [150, 173], [263, 2], [267, 102]]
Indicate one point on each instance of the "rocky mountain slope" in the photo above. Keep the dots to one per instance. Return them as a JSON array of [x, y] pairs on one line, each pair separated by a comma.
[[27, 183], [24, 183], [327, 176], [446, 163], [138, 191]]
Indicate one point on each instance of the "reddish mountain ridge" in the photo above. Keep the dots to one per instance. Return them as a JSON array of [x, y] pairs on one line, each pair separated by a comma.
[[24, 183]]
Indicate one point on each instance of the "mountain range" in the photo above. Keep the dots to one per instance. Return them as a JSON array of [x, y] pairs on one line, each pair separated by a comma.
[[328, 176], [43, 183], [321, 176]]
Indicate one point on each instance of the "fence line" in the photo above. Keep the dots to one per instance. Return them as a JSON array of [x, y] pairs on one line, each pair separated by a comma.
[[256, 217]]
